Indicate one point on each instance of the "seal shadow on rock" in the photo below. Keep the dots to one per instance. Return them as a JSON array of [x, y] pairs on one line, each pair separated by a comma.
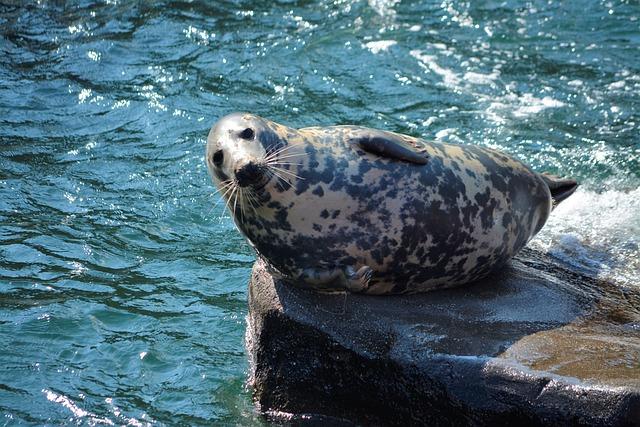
[[358, 209]]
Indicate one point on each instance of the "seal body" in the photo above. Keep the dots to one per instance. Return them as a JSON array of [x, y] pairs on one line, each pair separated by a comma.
[[352, 208]]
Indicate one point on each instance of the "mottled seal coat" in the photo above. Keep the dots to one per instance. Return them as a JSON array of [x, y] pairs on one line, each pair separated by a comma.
[[352, 208]]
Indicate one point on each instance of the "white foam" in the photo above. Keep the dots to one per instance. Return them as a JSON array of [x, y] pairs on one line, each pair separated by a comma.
[[202, 37], [384, 8], [505, 105], [518, 106], [617, 85], [94, 56], [481, 79], [449, 135], [75, 409], [530, 105], [91, 418], [429, 62], [460, 16], [380, 46], [597, 233]]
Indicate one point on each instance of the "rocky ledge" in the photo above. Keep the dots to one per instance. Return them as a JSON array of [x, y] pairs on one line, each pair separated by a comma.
[[534, 344]]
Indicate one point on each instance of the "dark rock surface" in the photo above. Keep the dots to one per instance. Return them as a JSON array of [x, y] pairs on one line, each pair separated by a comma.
[[534, 344]]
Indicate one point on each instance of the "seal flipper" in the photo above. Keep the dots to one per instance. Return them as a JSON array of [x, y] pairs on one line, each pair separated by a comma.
[[560, 188], [358, 281], [337, 278], [387, 144]]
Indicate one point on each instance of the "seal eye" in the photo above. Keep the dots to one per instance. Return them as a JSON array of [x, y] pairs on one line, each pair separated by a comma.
[[248, 133], [217, 158]]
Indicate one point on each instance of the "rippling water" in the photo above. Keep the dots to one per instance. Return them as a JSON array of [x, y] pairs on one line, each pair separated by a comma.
[[122, 287]]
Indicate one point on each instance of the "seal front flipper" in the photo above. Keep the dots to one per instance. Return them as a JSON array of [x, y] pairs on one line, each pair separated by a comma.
[[387, 144], [337, 278], [358, 281]]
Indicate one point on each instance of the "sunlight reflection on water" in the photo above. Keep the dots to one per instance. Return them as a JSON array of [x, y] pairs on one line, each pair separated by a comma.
[[123, 289]]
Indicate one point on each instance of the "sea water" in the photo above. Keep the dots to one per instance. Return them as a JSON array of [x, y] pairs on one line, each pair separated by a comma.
[[123, 284]]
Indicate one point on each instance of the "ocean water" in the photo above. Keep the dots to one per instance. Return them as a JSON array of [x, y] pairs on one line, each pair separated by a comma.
[[123, 285]]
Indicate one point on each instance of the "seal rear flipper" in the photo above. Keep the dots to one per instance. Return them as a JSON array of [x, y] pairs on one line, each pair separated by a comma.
[[386, 144], [560, 188]]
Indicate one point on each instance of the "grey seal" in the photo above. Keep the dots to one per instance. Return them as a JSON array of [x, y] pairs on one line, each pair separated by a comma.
[[351, 208]]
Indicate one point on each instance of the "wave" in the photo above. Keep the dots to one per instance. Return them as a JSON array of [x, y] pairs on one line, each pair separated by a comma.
[[597, 233]]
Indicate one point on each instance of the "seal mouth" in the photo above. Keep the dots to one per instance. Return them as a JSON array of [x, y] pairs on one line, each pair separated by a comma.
[[261, 183], [251, 174]]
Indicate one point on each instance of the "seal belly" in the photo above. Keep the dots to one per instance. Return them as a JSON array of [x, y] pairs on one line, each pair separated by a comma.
[[478, 208], [450, 222]]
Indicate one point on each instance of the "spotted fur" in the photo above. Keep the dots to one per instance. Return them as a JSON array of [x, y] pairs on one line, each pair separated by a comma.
[[341, 215]]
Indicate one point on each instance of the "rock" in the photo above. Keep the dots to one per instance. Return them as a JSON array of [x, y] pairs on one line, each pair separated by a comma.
[[534, 344]]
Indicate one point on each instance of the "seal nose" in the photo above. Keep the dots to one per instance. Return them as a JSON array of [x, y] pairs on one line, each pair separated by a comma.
[[248, 174]]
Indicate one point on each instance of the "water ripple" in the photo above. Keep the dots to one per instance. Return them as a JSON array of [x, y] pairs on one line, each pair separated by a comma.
[[122, 288]]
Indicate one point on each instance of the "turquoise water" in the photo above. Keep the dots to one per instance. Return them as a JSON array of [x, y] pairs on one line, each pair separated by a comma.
[[122, 286]]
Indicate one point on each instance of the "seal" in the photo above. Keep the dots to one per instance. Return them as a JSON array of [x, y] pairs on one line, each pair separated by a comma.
[[351, 208]]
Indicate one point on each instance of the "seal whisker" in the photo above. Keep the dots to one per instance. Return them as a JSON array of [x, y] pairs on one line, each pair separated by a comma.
[[272, 154], [228, 204], [287, 172], [278, 153], [251, 199], [248, 199], [269, 151], [246, 194], [223, 192], [239, 195], [278, 158], [282, 149], [286, 156], [285, 164], [235, 199], [255, 204], [243, 200], [276, 148], [227, 195], [222, 187], [289, 158], [227, 188], [276, 174]]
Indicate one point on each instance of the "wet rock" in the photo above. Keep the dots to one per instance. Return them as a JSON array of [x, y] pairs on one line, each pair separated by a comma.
[[534, 344]]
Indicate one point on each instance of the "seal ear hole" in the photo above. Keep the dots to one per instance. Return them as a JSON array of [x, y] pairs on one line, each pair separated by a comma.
[[248, 133], [218, 157]]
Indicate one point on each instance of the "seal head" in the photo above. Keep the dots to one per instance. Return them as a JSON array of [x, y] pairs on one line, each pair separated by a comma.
[[236, 148]]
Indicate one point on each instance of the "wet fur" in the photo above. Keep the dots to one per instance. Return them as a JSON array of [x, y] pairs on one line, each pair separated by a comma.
[[331, 205]]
